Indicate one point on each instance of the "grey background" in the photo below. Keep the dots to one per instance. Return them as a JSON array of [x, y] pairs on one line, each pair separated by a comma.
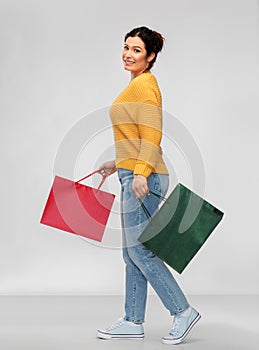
[[60, 62]]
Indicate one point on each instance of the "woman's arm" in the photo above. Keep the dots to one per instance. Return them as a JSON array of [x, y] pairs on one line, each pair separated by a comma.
[[150, 133]]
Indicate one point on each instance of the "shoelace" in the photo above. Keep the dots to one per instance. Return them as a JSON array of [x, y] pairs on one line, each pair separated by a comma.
[[176, 323], [116, 325]]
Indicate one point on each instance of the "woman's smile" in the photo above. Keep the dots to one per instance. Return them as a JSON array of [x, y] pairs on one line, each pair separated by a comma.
[[127, 62]]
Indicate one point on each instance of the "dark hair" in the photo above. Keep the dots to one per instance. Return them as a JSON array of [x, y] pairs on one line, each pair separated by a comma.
[[153, 41]]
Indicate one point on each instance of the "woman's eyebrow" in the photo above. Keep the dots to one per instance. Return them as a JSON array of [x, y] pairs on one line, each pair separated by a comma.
[[134, 46]]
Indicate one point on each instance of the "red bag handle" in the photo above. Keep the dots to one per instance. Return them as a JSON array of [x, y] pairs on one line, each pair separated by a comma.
[[96, 171]]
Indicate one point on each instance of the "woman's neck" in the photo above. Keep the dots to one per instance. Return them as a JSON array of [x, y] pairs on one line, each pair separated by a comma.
[[137, 75]]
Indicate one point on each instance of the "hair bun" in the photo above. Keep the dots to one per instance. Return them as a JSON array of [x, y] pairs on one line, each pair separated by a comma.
[[159, 41]]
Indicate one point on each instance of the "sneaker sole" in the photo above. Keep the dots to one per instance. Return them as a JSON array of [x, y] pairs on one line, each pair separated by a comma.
[[103, 335], [179, 340]]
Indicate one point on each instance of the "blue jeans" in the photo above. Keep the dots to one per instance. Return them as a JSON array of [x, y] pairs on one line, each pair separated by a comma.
[[142, 265]]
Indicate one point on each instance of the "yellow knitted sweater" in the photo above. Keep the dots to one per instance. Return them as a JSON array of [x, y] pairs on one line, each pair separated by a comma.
[[136, 117]]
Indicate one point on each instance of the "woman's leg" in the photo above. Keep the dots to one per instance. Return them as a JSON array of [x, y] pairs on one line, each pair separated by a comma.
[[134, 222], [136, 291], [136, 283], [160, 278]]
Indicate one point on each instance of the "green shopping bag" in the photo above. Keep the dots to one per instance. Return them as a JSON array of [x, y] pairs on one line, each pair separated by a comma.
[[180, 228]]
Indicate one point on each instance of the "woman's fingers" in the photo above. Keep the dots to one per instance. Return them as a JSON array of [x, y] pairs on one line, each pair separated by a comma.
[[103, 172], [107, 168], [140, 193]]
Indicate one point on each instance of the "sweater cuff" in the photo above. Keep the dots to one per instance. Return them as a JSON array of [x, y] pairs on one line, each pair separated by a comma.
[[142, 169]]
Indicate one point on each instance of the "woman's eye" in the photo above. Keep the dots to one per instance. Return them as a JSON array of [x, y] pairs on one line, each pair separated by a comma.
[[135, 50]]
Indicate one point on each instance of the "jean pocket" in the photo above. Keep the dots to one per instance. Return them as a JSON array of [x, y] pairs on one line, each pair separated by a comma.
[[157, 184]]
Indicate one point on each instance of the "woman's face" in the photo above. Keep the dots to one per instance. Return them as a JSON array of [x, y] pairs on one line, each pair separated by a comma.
[[134, 56]]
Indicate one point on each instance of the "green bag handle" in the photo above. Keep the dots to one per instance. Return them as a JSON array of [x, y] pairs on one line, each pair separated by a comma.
[[146, 211]]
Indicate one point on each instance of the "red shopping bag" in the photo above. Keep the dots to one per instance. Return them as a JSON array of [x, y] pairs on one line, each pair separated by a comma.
[[77, 208]]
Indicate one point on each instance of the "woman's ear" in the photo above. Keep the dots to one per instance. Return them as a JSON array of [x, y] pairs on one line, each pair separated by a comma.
[[151, 57]]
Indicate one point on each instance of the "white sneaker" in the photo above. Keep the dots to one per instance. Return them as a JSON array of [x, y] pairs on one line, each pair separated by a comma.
[[182, 325], [122, 329]]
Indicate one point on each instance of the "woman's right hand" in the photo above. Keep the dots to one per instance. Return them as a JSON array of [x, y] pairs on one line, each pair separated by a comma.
[[107, 168]]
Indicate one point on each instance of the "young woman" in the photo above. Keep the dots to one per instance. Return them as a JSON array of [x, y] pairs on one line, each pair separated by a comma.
[[136, 117]]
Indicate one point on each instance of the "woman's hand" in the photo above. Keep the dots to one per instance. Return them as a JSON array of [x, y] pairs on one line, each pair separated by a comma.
[[107, 168], [139, 186]]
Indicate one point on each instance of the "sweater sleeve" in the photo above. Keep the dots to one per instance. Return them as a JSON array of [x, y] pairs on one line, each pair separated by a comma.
[[136, 116], [149, 121]]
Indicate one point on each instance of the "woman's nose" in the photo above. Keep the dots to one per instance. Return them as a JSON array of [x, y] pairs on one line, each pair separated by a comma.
[[127, 54]]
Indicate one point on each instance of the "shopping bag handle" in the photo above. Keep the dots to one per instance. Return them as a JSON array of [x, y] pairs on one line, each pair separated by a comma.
[[94, 172], [146, 211], [158, 195]]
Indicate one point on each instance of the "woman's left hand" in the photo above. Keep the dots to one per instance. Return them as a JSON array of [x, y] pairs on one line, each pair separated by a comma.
[[139, 186]]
